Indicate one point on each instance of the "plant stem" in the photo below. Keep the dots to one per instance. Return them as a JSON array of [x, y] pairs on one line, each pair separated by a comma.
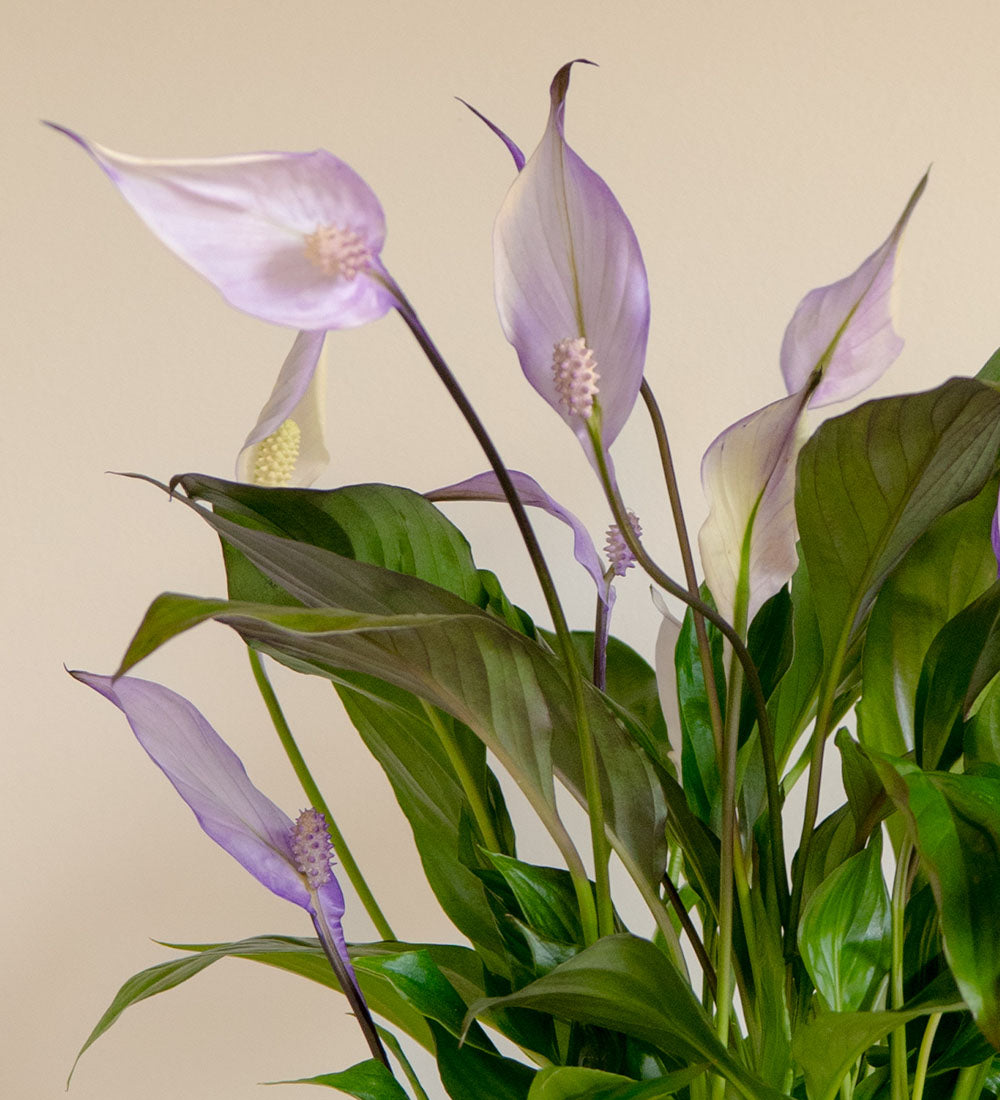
[[897, 1040], [970, 1081], [691, 932], [924, 1057], [597, 921], [316, 800], [601, 625], [469, 786], [687, 558]]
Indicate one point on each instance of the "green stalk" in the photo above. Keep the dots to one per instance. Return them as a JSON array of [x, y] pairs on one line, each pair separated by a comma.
[[924, 1057], [971, 1081], [469, 786], [897, 1041], [316, 800], [597, 921]]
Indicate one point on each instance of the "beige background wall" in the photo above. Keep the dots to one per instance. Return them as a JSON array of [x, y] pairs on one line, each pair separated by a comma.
[[760, 149]]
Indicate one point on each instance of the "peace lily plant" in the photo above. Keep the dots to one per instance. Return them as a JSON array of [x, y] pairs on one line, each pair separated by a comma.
[[846, 572]]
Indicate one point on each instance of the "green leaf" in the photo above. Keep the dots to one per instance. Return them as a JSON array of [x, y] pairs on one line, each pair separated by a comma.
[[954, 822], [871, 482], [469, 1073], [367, 1081], [627, 985], [945, 570], [546, 898], [961, 661], [845, 934], [865, 793], [577, 1083], [420, 982]]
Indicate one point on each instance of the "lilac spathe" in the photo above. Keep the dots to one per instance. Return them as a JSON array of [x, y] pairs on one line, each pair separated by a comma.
[[567, 265], [211, 779], [243, 223]]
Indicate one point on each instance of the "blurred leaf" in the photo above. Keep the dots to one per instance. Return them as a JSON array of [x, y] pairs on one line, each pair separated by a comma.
[[627, 985], [367, 1081], [954, 821], [845, 934], [871, 482], [961, 661], [947, 567]]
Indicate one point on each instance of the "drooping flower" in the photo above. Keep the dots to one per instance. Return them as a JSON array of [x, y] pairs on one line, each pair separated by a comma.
[[286, 445], [292, 238], [485, 486], [291, 858], [571, 286], [840, 340]]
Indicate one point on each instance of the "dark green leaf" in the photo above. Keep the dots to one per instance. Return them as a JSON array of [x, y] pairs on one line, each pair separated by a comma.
[[871, 481], [961, 661], [469, 1073], [627, 985], [546, 898], [865, 794], [367, 1081]]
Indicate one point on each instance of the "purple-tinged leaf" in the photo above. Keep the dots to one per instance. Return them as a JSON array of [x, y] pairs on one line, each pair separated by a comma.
[[292, 238], [841, 337], [571, 286], [485, 486], [294, 410]]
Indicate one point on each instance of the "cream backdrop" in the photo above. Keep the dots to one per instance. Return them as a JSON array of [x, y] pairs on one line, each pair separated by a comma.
[[760, 150]]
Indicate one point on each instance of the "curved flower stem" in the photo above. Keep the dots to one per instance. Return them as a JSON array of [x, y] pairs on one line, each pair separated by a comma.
[[316, 800], [597, 921], [690, 931], [458, 763], [668, 584]]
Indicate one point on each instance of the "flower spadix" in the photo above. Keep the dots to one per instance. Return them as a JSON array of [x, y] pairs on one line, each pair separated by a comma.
[[291, 858], [292, 238], [571, 286], [840, 340], [286, 446]]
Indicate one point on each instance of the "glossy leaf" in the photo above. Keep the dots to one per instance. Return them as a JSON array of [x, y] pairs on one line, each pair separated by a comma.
[[367, 1081], [961, 661], [545, 896], [954, 822], [470, 1073], [872, 481], [626, 984], [845, 935], [946, 568]]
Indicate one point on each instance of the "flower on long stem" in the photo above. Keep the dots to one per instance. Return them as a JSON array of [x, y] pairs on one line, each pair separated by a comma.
[[291, 858], [571, 286], [840, 340]]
